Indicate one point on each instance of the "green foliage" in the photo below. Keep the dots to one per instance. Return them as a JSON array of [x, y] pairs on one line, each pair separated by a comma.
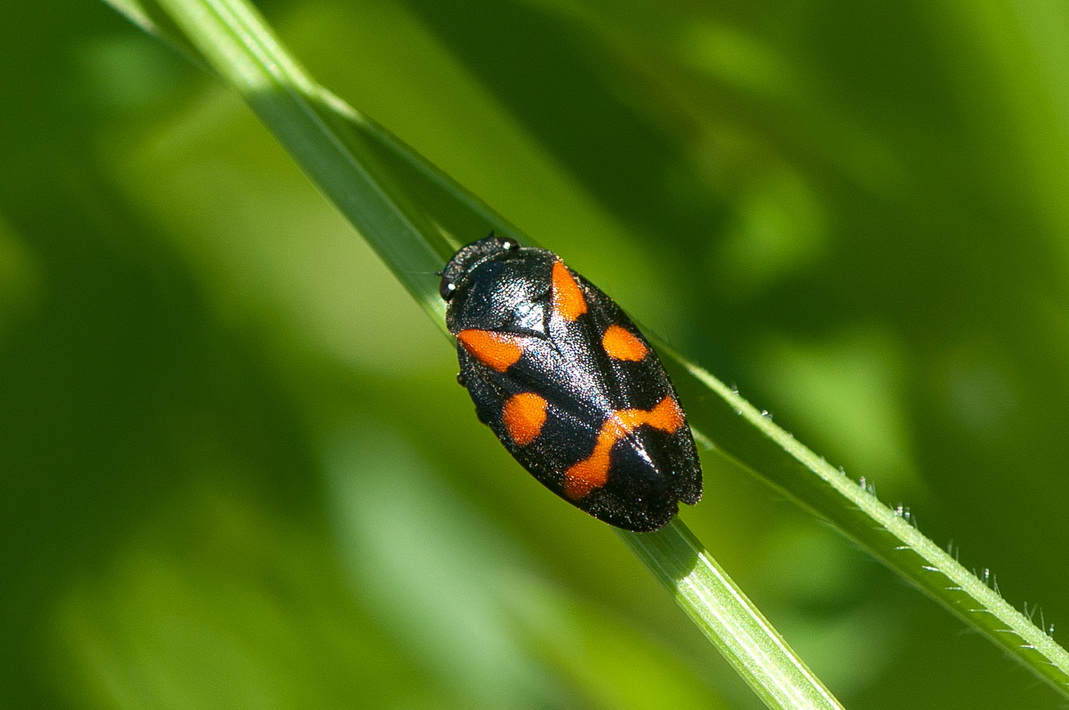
[[235, 466]]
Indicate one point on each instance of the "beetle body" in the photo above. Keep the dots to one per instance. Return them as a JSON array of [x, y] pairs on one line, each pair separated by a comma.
[[569, 385]]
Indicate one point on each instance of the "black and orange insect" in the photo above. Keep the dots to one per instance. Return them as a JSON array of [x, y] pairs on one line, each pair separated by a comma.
[[569, 385]]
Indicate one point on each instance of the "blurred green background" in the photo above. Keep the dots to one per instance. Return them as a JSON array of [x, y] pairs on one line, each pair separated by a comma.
[[236, 470]]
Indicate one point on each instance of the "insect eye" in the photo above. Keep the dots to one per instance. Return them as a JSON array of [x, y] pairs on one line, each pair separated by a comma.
[[446, 288]]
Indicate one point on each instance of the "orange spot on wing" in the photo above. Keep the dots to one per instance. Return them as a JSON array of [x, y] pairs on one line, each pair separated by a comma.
[[524, 415], [588, 474], [593, 471], [568, 300], [622, 344], [499, 351], [666, 416]]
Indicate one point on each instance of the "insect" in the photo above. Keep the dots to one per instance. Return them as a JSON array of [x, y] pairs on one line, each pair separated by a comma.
[[569, 385]]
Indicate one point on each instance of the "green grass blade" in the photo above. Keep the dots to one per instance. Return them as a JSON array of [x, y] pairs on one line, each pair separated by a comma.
[[409, 212], [752, 440], [232, 40], [728, 619]]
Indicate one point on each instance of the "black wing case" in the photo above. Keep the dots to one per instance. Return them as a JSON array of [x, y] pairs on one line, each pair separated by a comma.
[[566, 363], [651, 468]]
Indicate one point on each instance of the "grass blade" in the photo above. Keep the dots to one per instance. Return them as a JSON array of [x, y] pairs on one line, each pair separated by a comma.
[[409, 212]]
